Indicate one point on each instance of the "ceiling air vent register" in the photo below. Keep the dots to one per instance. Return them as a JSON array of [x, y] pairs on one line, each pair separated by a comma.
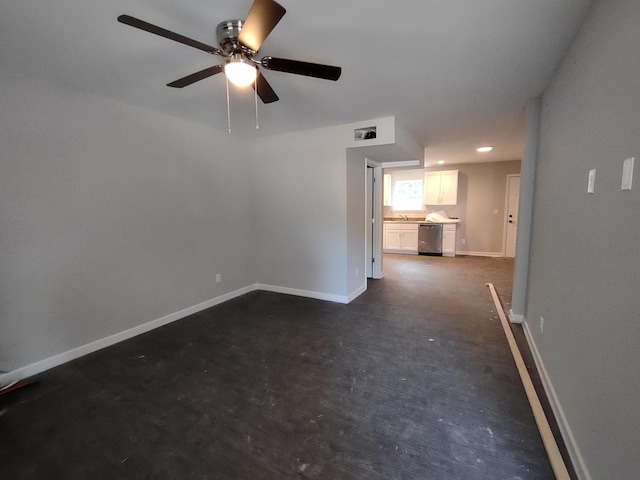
[[366, 133]]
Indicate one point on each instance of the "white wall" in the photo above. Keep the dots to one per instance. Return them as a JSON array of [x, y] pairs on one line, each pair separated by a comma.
[[585, 256], [356, 223], [299, 215], [114, 217], [308, 209], [111, 217], [403, 139]]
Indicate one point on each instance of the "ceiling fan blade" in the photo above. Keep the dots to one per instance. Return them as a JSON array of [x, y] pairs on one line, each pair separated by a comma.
[[162, 32], [196, 77], [264, 90], [328, 72], [263, 16]]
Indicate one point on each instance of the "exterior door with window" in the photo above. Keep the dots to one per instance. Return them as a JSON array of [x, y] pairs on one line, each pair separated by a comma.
[[513, 200]]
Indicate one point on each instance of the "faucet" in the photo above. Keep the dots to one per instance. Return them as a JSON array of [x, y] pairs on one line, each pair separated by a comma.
[[404, 217]]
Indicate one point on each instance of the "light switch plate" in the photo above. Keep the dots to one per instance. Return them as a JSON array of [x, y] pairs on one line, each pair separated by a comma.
[[627, 174], [591, 185]]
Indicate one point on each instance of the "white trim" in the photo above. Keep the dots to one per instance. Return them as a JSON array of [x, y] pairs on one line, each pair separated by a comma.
[[400, 252], [403, 163], [64, 357], [479, 254], [369, 190], [74, 353], [357, 292], [570, 442], [372, 163], [330, 297], [515, 317], [378, 219], [458, 252]]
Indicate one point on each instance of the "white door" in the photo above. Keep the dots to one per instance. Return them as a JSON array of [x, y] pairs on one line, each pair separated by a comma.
[[513, 199]]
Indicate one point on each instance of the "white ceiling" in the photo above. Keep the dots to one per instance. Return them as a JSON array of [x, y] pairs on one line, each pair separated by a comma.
[[455, 73]]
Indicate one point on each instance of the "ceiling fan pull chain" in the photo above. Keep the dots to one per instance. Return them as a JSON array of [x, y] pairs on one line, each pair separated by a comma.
[[228, 108], [255, 96]]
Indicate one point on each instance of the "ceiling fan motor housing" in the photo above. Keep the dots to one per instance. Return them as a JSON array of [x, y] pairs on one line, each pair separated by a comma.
[[227, 33]]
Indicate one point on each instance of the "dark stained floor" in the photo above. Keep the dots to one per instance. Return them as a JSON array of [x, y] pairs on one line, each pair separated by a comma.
[[412, 380]]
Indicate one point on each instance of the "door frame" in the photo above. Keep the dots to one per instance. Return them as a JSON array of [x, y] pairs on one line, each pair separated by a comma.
[[374, 223]]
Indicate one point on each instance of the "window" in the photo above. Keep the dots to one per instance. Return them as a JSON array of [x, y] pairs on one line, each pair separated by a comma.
[[407, 195]]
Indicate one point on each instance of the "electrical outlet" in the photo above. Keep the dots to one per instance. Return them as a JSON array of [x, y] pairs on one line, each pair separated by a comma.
[[541, 324], [218, 278], [464, 241]]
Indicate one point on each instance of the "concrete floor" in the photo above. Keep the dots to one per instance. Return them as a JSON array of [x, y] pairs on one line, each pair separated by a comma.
[[412, 380]]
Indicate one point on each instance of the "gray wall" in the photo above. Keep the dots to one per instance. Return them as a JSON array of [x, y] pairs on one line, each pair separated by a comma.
[[585, 256], [481, 190], [110, 217]]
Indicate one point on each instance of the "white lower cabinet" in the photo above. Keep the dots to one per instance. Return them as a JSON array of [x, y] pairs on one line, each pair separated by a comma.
[[449, 240], [403, 238], [400, 238]]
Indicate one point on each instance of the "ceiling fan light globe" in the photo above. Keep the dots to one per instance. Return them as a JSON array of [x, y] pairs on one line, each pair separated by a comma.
[[240, 73]]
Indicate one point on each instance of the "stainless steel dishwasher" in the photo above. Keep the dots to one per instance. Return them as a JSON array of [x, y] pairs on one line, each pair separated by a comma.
[[430, 239]]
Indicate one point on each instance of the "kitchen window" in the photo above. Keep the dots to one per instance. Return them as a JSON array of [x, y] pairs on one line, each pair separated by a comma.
[[407, 196]]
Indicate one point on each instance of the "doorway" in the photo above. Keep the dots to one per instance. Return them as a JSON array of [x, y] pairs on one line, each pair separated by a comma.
[[511, 215]]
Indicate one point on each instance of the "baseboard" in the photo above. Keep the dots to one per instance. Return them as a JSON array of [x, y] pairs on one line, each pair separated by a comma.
[[74, 353], [357, 292], [572, 447], [479, 254], [515, 317], [330, 297], [64, 357], [457, 252]]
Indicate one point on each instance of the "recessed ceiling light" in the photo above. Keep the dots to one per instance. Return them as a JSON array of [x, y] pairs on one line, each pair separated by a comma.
[[484, 149], [440, 162]]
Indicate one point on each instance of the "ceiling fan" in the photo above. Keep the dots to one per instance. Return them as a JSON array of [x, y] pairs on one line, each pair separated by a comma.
[[239, 44]]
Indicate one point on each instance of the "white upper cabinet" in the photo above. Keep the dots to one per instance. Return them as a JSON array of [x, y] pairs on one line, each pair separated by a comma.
[[432, 188], [441, 188]]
